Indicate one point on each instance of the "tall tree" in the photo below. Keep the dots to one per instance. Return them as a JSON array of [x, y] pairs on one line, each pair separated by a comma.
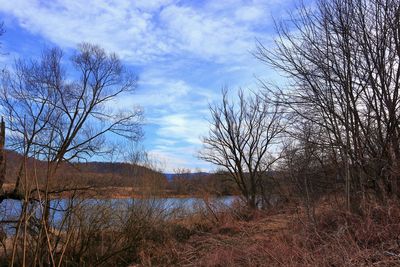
[[342, 59], [241, 141], [57, 117], [2, 154], [53, 117]]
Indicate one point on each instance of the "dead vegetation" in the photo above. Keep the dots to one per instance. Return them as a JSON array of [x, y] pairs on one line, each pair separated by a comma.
[[286, 238]]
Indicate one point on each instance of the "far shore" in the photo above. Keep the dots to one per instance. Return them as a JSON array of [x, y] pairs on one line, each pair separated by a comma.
[[115, 192]]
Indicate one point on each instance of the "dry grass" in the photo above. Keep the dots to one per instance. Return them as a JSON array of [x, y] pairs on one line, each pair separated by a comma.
[[286, 238], [237, 237]]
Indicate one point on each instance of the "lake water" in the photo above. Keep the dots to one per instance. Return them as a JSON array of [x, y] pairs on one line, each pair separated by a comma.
[[11, 209]]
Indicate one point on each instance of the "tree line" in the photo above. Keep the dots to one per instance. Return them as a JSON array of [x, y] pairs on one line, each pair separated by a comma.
[[334, 125]]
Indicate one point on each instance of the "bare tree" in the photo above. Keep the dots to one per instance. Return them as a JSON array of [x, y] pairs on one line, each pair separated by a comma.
[[2, 154], [342, 59], [242, 139], [55, 119], [307, 169], [59, 118]]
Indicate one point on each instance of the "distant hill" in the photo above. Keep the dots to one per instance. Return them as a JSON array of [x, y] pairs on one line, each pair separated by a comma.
[[86, 174], [116, 179]]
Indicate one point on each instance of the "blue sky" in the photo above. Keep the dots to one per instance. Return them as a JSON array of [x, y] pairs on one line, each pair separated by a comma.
[[184, 52]]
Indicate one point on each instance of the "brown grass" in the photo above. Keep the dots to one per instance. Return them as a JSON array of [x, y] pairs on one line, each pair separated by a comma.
[[286, 238], [236, 237]]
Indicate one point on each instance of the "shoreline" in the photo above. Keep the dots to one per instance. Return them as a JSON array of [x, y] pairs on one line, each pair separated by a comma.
[[118, 192]]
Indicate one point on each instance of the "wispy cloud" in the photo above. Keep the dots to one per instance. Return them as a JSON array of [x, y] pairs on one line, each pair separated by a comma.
[[179, 157], [182, 127], [185, 51], [142, 31]]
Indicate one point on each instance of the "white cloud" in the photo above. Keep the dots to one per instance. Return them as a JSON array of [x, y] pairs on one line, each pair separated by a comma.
[[159, 95], [206, 34], [249, 13], [178, 141], [173, 43], [142, 31], [182, 127], [179, 157], [118, 26]]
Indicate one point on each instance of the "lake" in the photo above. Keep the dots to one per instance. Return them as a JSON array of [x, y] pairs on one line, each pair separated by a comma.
[[11, 209]]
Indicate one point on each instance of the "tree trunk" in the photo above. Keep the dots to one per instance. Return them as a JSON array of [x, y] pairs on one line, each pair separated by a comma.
[[2, 154]]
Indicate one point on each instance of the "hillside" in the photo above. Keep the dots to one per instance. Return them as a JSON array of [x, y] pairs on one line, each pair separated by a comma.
[[94, 174]]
